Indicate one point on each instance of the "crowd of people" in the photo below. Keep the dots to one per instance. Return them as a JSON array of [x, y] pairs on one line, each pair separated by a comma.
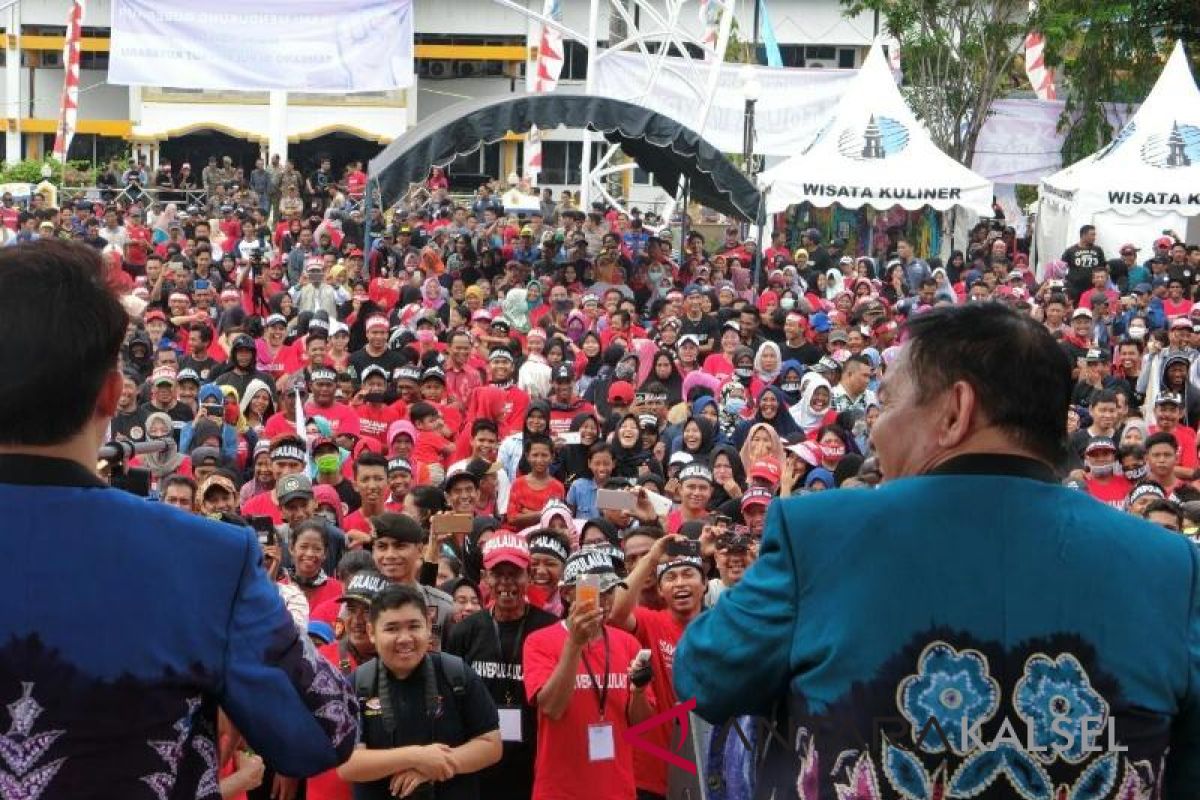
[[445, 435]]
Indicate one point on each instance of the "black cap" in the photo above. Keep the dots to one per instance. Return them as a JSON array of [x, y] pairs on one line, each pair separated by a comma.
[[364, 587], [563, 372], [242, 342], [402, 528]]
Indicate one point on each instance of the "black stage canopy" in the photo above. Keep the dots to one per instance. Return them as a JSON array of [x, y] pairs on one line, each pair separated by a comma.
[[659, 144]]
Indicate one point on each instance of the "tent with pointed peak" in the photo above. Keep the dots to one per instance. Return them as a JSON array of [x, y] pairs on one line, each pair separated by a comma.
[[873, 152], [1144, 181]]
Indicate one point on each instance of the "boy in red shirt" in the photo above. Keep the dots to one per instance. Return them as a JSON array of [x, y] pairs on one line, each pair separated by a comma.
[[431, 447], [579, 675], [531, 492], [374, 415], [1104, 479]]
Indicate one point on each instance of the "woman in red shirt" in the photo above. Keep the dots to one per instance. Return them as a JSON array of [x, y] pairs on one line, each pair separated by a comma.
[[532, 491], [308, 548]]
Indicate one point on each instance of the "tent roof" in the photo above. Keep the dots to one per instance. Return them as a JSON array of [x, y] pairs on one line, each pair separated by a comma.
[[659, 144], [873, 152], [1153, 164]]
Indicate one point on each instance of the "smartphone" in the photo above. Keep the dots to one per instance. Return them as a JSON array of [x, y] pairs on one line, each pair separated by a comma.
[[587, 592], [451, 523], [615, 499], [265, 529], [686, 548]]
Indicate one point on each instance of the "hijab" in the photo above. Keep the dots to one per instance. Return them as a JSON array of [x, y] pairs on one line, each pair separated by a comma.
[[760, 373], [809, 420], [516, 310], [630, 459], [673, 382], [791, 389], [168, 461]]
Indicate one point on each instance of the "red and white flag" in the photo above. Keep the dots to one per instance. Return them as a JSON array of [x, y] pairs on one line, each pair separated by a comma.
[[69, 110], [1041, 78], [544, 79]]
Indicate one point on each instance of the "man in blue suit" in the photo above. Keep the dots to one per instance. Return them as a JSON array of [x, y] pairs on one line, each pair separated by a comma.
[[971, 628], [126, 624]]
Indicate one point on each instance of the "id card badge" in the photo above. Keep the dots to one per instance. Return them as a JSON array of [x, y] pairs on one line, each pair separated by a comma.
[[601, 744], [510, 723]]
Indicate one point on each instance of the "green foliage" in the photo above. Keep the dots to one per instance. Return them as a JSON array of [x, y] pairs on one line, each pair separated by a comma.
[[957, 57], [1110, 51], [78, 173]]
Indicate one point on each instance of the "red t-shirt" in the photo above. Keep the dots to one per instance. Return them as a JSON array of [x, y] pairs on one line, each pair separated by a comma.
[[430, 448], [1112, 491], [331, 589], [356, 184], [659, 632], [342, 418], [263, 505], [560, 418], [562, 767], [523, 498], [374, 421]]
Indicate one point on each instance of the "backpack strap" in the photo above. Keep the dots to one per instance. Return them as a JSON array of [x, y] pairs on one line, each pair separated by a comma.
[[455, 670]]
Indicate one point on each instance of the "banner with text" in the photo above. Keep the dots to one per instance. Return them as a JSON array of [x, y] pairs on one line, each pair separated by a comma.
[[791, 107], [293, 45]]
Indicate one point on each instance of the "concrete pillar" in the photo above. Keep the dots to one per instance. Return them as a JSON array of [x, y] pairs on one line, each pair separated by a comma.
[[12, 83], [277, 137]]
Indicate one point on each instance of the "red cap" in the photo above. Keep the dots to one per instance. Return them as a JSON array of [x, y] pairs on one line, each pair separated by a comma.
[[756, 497], [621, 392], [766, 469], [154, 313], [508, 548], [1164, 241]]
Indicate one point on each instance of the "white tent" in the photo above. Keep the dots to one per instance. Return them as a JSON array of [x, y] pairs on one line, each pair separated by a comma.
[[1145, 181], [873, 152]]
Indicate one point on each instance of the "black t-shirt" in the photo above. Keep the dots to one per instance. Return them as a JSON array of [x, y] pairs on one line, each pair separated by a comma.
[[1182, 273], [461, 720], [361, 359], [1080, 261], [807, 353], [706, 329], [348, 495], [498, 664], [130, 425], [204, 366]]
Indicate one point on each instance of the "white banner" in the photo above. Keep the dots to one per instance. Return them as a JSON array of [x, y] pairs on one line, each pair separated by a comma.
[[791, 107], [294, 45]]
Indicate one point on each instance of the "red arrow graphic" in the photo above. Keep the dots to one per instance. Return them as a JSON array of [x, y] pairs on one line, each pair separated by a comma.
[[633, 735]]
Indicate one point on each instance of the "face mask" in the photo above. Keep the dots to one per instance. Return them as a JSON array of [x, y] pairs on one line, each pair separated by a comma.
[[791, 387], [787, 303], [624, 372], [426, 336], [1101, 470], [1137, 473], [231, 413], [744, 373], [832, 452], [655, 276], [735, 405], [328, 463], [533, 303], [1137, 334], [563, 306]]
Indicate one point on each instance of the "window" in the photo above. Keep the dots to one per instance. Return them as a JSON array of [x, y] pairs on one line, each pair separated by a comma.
[[846, 58], [89, 60], [485, 161], [561, 163], [574, 61]]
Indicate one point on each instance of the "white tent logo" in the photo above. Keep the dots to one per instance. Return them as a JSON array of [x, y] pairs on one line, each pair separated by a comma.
[[1180, 147], [1126, 132], [881, 138]]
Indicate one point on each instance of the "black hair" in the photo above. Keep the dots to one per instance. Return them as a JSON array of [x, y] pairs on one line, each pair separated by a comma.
[[1021, 378], [369, 459], [397, 596], [421, 410], [429, 498], [1164, 507], [1131, 449], [1102, 396], [1086, 229], [58, 317], [601, 447], [483, 424], [538, 438], [353, 562], [1162, 437], [316, 526], [177, 480], [204, 331]]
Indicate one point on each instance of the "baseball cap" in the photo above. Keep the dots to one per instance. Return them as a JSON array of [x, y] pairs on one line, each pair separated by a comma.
[[364, 587], [1095, 354], [820, 322], [680, 457], [1181, 322], [501, 322], [1081, 312], [163, 375], [620, 392], [1164, 241], [1142, 288], [757, 496], [187, 374], [402, 528], [458, 474], [154, 313], [839, 336], [505, 548], [766, 469], [293, 486], [243, 342], [1168, 399], [275, 319], [826, 364], [399, 465], [591, 561], [321, 630], [1098, 444], [527, 231], [688, 337], [1129, 247], [563, 372]]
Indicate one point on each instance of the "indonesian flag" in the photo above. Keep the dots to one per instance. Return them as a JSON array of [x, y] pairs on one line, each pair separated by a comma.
[[69, 108], [1041, 78]]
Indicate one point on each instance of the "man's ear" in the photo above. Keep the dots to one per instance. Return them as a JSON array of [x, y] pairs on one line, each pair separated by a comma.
[[110, 394]]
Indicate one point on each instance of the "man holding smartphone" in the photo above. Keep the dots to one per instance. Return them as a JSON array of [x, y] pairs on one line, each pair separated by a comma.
[[576, 676], [674, 565]]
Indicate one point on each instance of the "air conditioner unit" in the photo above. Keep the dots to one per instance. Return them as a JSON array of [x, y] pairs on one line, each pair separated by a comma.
[[815, 65], [441, 69], [466, 69]]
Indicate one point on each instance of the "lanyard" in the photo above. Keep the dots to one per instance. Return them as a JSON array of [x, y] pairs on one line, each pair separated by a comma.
[[598, 688], [504, 657]]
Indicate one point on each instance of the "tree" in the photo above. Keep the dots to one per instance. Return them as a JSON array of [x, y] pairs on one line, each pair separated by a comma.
[[1110, 51], [958, 56]]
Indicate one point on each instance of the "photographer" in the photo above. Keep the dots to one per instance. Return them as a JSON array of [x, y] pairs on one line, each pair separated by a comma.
[[215, 634]]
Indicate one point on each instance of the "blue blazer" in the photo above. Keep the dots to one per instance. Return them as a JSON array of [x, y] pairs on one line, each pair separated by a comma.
[[901, 634], [125, 625]]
